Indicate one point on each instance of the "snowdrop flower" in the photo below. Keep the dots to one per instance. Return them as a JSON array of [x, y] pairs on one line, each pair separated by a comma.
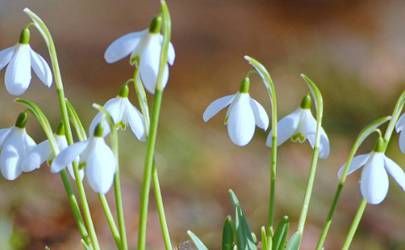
[[121, 110], [43, 152], [300, 125], [244, 113], [99, 161], [374, 178], [15, 143], [145, 45], [19, 59], [400, 128]]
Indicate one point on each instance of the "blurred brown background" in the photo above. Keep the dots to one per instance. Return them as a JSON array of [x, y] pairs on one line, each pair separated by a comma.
[[354, 50]]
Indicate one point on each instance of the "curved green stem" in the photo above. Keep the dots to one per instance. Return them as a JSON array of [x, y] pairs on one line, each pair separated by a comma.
[[355, 224], [110, 220]]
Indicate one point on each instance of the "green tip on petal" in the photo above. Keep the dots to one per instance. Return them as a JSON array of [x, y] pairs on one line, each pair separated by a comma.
[[306, 102], [245, 85], [155, 25], [98, 131], [21, 120], [380, 145], [124, 91], [25, 36], [61, 129]]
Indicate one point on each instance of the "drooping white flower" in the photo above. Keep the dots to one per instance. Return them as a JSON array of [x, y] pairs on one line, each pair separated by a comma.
[[243, 115], [121, 110], [19, 60], [15, 143], [145, 45], [374, 177], [300, 125], [43, 152], [99, 161], [400, 128]]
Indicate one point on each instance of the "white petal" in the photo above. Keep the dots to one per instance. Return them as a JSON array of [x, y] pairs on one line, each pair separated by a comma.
[[395, 171], [100, 166], [5, 56], [38, 155], [135, 120], [241, 120], [123, 46], [324, 145], [286, 128], [374, 180], [4, 132], [41, 68], [149, 65], [357, 162], [115, 108], [400, 123], [67, 156], [402, 141], [307, 124], [261, 118], [9, 159], [171, 54], [62, 144], [18, 72], [217, 106]]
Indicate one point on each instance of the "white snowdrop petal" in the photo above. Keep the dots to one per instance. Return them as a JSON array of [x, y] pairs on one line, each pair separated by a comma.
[[135, 120], [149, 65], [4, 132], [171, 54], [395, 171], [324, 146], [67, 156], [241, 120], [5, 56], [41, 68], [286, 128], [35, 157], [400, 126], [217, 106], [307, 124], [18, 72], [374, 180], [261, 118], [357, 162], [123, 46], [96, 120], [9, 159], [100, 166], [402, 141], [72, 173]]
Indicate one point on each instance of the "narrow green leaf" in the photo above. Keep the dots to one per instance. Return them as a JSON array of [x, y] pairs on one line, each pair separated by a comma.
[[197, 242], [280, 235], [228, 234], [263, 238], [76, 122], [294, 241]]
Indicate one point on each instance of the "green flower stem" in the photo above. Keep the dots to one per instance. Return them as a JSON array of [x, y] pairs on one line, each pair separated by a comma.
[[161, 209], [147, 176], [110, 220], [118, 192], [46, 34], [355, 224], [395, 116]]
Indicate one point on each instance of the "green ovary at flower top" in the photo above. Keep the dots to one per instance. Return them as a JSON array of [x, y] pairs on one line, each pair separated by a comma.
[[147, 46], [400, 128], [374, 178], [100, 162], [243, 115], [19, 60], [300, 125]]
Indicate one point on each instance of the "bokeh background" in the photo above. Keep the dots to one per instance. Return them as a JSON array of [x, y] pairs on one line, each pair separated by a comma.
[[353, 49]]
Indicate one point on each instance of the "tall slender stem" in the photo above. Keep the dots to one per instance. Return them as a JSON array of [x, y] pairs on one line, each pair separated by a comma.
[[161, 210], [110, 220], [147, 176], [355, 224]]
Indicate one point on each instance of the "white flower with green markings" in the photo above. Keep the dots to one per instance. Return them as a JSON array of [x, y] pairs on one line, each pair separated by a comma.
[[19, 60], [374, 181], [15, 143], [96, 158], [400, 128], [243, 114], [146, 46], [300, 125]]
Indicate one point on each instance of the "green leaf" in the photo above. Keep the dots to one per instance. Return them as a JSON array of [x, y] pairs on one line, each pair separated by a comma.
[[263, 238], [244, 238], [197, 242], [74, 118], [294, 241], [280, 235], [228, 234]]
